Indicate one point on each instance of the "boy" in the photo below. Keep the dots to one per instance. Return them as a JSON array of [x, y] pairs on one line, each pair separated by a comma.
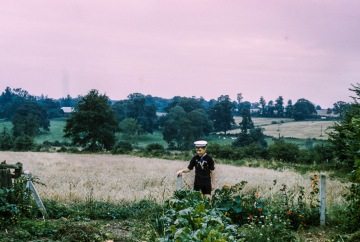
[[204, 169]]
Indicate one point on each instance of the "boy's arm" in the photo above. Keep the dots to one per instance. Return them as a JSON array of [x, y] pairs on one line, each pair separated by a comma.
[[212, 179], [179, 172]]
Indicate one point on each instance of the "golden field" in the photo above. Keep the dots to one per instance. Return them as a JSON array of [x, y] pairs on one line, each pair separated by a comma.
[[289, 128], [118, 178]]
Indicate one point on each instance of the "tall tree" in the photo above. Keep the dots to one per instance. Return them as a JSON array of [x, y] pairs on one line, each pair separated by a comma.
[[246, 121], [29, 118], [341, 108], [183, 128], [279, 106], [303, 109], [52, 106], [93, 123], [263, 106], [11, 100], [345, 135], [289, 109], [135, 107], [188, 104], [270, 109], [221, 114]]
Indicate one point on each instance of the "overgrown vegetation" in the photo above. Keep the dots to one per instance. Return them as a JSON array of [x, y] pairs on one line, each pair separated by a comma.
[[231, 215]]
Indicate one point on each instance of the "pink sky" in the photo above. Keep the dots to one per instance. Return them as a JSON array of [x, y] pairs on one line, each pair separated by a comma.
[[295, 49]]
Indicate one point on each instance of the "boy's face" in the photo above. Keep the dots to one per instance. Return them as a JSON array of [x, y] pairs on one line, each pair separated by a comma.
[[200, 151]]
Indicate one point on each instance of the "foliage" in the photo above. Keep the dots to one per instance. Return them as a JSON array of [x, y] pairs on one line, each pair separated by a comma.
[[130, 129], [23, 143], [246, 121], [135, 107], [188, 104], [232, 215], [340, 108], [6, 140], [122, 147], [303, 109], [189, 217], [81, 232], [183, 128], [352, 213], [155, 149], [93, 124], [11, 99], [283, 151], [28, 118], [254, 136], [15, 203], [221, 114], [52, 107]]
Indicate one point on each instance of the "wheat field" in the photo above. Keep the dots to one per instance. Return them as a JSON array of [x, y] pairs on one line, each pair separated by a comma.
[[119, 178], [291, 129]]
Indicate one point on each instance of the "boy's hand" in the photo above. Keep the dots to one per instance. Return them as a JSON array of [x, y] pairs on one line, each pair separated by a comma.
[[178, 173]]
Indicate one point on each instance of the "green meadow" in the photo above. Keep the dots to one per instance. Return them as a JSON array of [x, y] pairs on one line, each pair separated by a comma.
[[56, 133]]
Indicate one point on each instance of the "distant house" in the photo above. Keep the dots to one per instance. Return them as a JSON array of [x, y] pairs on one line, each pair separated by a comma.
[[67, 110]]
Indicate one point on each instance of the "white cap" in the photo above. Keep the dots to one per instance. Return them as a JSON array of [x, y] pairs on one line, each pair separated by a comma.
[[200, 143]]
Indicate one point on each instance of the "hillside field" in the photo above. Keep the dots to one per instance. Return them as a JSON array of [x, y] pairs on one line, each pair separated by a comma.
[[273, 127], [289, 128], [119, 178]]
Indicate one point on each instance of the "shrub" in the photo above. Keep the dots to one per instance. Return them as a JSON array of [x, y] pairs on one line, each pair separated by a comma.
[[324, 153], [23, 143], [15, 203], [283, 151], [155, 149], [6, 140], [122, 147], [223, 151], [254, 151]]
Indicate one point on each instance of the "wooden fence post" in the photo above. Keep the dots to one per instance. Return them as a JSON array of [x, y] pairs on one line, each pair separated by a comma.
[[179, 182], [5, 178], [31, 187], [322, 199]]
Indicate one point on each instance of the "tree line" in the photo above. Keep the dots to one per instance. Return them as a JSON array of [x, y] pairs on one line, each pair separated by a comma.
[[96, 119]]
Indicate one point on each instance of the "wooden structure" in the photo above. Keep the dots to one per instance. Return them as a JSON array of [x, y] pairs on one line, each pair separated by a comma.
[[6, 181], [5, 173]]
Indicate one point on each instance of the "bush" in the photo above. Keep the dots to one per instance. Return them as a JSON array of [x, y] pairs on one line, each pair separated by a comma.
[[15, 203], [23, 143], [324, 153], [155, 149], [122, 147], [6, 140], [254, 151], [283, 151]]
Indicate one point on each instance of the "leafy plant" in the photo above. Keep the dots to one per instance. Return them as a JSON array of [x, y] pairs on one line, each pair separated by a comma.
[[15, 203], [189, 217]]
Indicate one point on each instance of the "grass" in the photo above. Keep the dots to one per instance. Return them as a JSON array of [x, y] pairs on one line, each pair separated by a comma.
[[108, 191], [291, 131], [56, 132]]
